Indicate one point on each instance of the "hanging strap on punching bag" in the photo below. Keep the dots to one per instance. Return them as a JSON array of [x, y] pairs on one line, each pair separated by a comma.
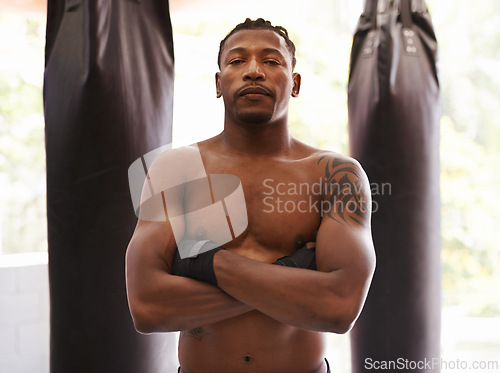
[[409, 44], [370, 10], [405, 13]]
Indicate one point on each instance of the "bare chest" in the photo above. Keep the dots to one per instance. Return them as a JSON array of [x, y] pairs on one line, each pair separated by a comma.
[[281, 201]]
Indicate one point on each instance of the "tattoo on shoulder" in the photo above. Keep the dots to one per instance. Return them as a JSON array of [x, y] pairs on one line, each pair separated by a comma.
[[196, 333], [346, 199]]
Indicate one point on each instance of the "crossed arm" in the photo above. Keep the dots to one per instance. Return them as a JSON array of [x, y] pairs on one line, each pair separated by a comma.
[[328, 300], [161, 302]]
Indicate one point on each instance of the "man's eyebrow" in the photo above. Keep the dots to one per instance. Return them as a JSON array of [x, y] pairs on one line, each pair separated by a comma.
[[236, 50], [265, 50], [272, 50]]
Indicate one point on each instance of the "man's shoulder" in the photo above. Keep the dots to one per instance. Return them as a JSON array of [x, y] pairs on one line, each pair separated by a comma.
[[336, 167], [335, 159], [323, 157], [178, 157], [177, 165]]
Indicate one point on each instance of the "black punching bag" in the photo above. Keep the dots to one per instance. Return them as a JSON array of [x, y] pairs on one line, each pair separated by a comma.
[[394, 111], [108, 100]]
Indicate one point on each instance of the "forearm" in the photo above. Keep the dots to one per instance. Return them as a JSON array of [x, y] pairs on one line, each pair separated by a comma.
[[176, 303], [303, 298]]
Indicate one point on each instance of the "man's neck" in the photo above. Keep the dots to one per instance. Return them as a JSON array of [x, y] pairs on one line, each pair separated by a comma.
[[258, 140]]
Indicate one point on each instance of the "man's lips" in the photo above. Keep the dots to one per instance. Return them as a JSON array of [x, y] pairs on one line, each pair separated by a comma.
[[253, 90]]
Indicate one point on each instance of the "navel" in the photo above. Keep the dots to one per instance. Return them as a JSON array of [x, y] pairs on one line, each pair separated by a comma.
[[247, 359]]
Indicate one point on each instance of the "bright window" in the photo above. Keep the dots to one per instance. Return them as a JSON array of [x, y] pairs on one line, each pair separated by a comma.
[[22, 150]]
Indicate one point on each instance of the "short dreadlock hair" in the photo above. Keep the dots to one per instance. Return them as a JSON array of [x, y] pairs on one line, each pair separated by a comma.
[[260, 24]]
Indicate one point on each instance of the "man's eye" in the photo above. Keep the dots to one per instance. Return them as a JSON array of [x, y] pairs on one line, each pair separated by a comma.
[[271, 62], [236, 62]]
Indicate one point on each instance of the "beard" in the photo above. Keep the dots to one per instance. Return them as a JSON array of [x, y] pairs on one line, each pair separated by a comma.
[[254, 116], [250, 113], [256, 113]]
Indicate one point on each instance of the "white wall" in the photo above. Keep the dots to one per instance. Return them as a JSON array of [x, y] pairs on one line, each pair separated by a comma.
[[24, 314]]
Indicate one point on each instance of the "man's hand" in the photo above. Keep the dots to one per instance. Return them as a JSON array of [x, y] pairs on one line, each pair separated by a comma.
[[304, 257], [200, 267]]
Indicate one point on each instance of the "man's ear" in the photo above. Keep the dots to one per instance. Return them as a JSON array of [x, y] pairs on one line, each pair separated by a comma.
[[296, 78], [217, 85]]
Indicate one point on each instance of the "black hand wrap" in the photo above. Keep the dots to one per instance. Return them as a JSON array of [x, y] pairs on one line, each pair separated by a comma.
[[302, 258], [200, 267]]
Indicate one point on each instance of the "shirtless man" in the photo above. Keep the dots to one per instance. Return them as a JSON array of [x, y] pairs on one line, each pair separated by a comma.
[[248, 314]]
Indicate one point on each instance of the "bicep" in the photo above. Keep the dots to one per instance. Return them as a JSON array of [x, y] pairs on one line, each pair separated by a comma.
[[344, 248], [347, 255], [154, 240], [344, 243], [148, 259], [152, 246]]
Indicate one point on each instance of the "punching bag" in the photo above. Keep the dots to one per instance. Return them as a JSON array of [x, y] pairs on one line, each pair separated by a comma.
[[108, 100], [394, 111]]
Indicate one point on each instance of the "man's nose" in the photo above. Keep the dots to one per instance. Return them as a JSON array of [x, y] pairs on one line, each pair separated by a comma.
[[254, 71]]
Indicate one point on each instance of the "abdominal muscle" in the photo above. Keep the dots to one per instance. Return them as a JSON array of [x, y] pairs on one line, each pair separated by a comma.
[[252, 342]]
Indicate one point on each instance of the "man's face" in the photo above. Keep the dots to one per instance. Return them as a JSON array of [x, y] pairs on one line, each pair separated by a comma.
[[256, 78]]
